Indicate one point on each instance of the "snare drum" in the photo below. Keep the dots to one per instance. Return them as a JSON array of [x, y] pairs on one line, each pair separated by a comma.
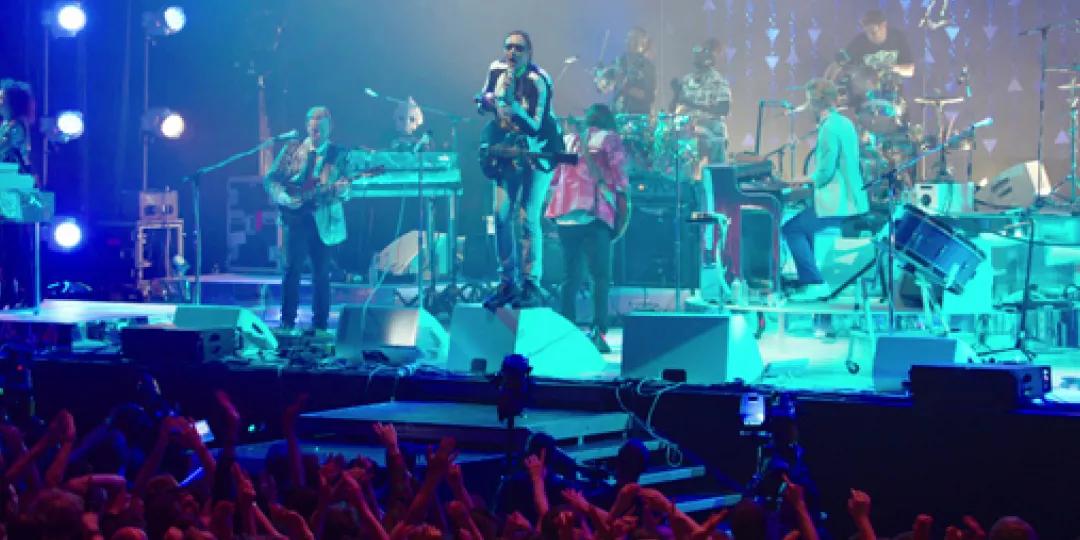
[[938, 253]]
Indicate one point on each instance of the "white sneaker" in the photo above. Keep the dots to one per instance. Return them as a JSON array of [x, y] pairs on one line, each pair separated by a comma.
[[812, 293]]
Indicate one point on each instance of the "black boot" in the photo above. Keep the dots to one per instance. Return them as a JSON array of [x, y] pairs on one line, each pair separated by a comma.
[[597, 339], [530, 296], [505, 293]]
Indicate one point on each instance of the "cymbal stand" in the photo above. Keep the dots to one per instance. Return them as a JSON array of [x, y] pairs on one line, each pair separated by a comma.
[[1072, 179]]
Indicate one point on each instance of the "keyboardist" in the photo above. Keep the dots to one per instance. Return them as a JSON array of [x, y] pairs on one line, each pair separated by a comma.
[[16, 115], [838, 188]]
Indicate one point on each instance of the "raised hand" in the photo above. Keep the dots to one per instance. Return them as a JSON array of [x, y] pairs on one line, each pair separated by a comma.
[[230, 416], [535, 464], [655, 500], [386, 433], [516, 523], [575, 499], [859, 505], [454, 477], [920, 529], [439, 461], [292, 412], [62, 427], [245, 489]]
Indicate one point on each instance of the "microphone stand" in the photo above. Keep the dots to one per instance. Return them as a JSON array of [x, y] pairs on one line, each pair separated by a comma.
[[195, 179]]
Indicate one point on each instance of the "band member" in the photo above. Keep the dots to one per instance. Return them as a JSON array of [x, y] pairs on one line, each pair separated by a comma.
[[409, 119], [586, 202], [519, 93], [306, 182], [878, 48], [17, 112], [705, 95], [837, 183], [632, 79]]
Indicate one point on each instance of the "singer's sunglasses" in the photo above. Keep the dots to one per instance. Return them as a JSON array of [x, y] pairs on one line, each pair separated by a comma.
[[514, 47]]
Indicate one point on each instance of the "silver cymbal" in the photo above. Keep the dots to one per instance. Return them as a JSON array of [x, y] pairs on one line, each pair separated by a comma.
[[1075, 68], [938, 100], [1073, 86]]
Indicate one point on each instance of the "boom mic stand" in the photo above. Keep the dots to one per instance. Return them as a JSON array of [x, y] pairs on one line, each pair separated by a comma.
[[195, 180]]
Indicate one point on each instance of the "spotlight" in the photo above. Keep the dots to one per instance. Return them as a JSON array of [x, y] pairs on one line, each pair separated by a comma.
[[66, 19], [70, 124], [67, 234], [174, 18], [163, 123], [65, 127], [165, 22]]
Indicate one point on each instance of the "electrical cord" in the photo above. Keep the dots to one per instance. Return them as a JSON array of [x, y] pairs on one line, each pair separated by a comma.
[[673, 454]]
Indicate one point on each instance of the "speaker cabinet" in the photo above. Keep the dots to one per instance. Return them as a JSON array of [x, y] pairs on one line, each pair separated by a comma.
[[895, 354], [554, 346], [399, 336], [254, 334], [711, 348]]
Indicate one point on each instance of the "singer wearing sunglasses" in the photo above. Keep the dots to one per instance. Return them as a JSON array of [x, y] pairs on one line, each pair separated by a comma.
[[518, 93]]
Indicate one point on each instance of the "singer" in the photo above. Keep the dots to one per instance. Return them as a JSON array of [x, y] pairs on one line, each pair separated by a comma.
[[519, 93], [306, 182]]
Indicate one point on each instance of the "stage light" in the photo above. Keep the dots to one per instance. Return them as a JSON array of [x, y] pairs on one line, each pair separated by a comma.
[[68, 19], [67, 234], [70, 124], [175, 19], [165, 22], [164, 123]]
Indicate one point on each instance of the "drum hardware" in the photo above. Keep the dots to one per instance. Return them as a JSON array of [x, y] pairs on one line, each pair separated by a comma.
[[1044, 35], [939, 103], [1074, 103], [950, 276]]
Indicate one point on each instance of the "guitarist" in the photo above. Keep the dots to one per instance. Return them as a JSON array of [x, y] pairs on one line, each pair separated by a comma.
[[519, 93], [590, 204], [305, 181]]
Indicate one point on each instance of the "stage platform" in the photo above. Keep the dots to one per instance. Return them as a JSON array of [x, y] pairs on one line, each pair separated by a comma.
[[804, 347]]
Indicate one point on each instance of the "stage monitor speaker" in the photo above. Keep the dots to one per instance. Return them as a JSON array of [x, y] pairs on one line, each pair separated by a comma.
[[1015, 187], [554, 346], [945, 198], [986, 387], [166, 346], [254, 334], [395, 335], [895, 354], [711, 348]]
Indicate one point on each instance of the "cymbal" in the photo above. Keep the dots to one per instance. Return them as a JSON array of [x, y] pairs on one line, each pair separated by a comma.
[[938, 100], [1075, 68], [1074, 86]]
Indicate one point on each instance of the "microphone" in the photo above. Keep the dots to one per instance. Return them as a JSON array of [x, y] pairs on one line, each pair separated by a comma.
[[290, 135], [799, 108], [370, 92]]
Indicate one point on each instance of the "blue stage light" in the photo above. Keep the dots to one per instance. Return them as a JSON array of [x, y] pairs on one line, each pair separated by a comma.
[[70, 18], [69, 125], [67, 234], [174, 18]]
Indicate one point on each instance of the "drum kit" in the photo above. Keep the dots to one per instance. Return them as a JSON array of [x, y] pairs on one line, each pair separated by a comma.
[[661, 144]]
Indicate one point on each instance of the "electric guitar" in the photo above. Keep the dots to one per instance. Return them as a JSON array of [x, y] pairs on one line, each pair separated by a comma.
[[512, 153], [317, 191]]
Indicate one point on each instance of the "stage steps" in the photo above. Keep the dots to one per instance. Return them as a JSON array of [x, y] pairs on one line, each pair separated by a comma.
[[591, 438]]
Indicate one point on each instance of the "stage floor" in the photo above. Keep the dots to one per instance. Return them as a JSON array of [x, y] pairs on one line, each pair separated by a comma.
[[802, 349]]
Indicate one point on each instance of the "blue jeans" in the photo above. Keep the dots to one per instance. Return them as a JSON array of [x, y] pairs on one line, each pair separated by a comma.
[[519, 206], [799, 234]]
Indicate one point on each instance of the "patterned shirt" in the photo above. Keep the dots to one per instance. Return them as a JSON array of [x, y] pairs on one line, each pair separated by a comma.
[[574, 196]]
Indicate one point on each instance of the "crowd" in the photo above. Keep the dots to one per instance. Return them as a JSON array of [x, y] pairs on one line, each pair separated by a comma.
[[146, 473]]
